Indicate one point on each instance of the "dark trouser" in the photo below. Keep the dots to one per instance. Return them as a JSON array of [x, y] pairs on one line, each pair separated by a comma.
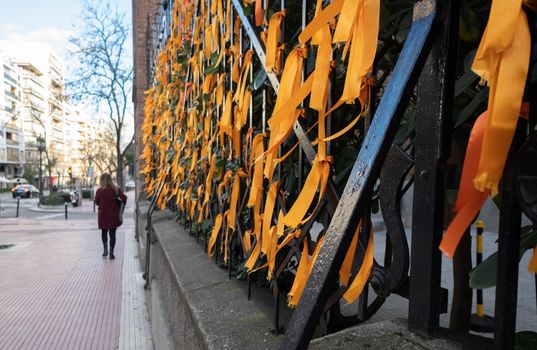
[[104, 236]]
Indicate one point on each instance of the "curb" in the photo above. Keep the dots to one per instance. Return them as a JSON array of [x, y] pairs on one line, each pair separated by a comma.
[[47, 210]]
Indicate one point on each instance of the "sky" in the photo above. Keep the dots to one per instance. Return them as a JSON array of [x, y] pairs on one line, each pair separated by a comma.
[[49, 21], [52, 22]]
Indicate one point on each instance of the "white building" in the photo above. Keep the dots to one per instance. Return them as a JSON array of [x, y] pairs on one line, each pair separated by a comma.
[[46, 113], [34, 111], [12, 157]]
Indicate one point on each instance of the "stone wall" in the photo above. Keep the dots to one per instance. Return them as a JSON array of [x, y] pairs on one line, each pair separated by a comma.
[[193, 304]]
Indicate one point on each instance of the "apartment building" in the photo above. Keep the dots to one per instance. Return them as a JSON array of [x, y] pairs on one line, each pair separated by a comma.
[[79, 136], [45, 111], [34, 109], [12, 157]]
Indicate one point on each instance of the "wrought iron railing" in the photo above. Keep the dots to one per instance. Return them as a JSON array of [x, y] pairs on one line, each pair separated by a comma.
[[384, 167]]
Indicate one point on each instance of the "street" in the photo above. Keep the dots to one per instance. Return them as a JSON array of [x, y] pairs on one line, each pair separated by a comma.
[[28, 209], [58, 292]]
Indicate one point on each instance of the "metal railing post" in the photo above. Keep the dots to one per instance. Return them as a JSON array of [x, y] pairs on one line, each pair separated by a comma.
[[508, 251], [65, 210], [18, 205], [426, 300]]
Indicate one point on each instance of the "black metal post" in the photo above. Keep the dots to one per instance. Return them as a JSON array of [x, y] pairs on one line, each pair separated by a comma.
[[94, 205], [40, 174], [508, 251], [249, 286], [18, 205], [65, 211], [431, 144]]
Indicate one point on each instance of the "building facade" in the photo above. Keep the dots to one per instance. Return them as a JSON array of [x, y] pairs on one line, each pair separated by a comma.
[[34, 113], [45, 113], [12, 142], [145, 16]]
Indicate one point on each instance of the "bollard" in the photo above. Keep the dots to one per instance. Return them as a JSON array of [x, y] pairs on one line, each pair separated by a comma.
[[480, 225], [94, 205], [65, 211], [18, 205], [479, 322]]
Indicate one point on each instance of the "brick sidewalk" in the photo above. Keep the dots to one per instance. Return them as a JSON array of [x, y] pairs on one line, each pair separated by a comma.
[[57, 292]]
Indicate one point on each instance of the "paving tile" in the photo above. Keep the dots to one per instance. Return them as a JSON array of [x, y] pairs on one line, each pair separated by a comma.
[[58, 292]]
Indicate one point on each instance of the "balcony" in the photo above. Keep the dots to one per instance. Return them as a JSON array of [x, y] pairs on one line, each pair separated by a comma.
[[12, 142], [32, 91], [10, 111], [55, 101], [57, 118], [13, 155], [10, 78], [56, 78], [11, 95], [12, 125]]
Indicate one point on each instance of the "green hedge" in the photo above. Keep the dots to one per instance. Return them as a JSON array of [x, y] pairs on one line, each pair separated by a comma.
[[3, 190], [56, 199], [86, 194]]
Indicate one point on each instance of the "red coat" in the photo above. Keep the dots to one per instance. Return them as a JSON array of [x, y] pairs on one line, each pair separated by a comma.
[[108, 207]]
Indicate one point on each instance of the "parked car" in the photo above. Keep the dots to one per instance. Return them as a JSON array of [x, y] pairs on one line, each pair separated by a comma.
[[25, 191]]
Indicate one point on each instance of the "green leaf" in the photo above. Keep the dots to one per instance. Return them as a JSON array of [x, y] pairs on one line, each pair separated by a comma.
[[466, 80], [471, 108], [206, 225], [404, 28], [259, 80], [248, 10], [468, 26], [469, 60], [220, 163], [484, 275]]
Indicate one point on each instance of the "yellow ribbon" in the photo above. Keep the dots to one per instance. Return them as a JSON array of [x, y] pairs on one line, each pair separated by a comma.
[[317, 179], [357, 285], [273, 37], [502, 61], [346, 267], [267, 216], [303, 272], [233, 203]]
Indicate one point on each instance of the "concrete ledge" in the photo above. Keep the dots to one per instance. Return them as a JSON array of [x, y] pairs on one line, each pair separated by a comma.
[[203, 308], [395, 335], [194, 305]]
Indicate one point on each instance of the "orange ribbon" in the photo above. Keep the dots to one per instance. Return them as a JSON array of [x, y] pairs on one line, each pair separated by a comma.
[[502, 61], [469, 200]]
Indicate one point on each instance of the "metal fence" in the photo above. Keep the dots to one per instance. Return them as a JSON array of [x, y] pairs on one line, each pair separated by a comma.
[[374, 163]]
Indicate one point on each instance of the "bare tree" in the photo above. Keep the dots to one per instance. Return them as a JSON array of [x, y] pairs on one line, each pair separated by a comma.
[[50, 159], [104, 74], [100, 150]]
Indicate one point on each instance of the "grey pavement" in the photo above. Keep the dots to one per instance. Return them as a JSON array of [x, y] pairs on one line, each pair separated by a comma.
[[397, 306], [58, 292]]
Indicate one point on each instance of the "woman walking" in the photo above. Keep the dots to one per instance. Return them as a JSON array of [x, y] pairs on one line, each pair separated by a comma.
[[108, 198]]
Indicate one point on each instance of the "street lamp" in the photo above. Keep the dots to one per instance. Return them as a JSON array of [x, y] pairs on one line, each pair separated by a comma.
[[59, 183], [40, 142]]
